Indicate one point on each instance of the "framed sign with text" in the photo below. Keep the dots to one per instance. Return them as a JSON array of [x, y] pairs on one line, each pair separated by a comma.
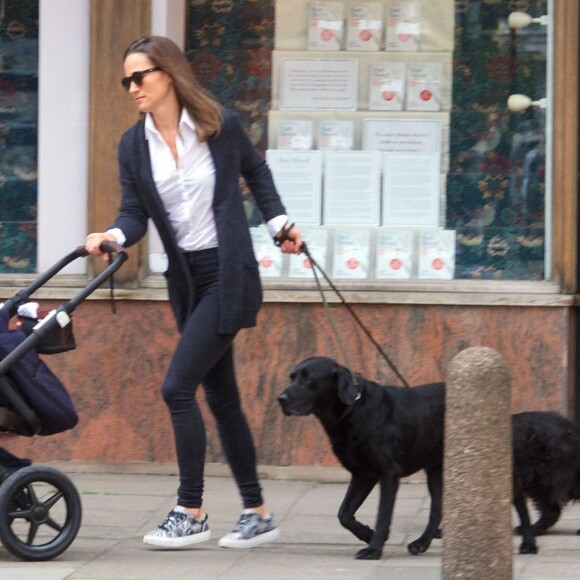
[[318, 83]]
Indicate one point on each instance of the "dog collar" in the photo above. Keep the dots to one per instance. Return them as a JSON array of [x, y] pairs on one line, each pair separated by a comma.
[[349, 409]]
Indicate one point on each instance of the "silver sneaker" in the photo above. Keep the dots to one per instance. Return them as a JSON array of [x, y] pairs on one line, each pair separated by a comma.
[[251, 530], [178, 530]]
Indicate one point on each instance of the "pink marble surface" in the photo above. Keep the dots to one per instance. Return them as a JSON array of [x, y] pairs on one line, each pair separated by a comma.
[[116, 371]]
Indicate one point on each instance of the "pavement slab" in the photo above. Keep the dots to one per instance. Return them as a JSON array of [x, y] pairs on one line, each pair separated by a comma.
[[119, 507]]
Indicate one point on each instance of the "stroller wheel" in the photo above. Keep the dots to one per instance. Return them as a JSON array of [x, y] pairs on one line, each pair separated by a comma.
[[40, 513]]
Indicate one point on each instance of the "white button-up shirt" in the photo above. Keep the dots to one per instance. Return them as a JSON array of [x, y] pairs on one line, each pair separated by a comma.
[[186, 187]]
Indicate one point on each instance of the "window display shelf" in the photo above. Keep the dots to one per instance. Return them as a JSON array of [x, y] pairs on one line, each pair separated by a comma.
[[406, 175]]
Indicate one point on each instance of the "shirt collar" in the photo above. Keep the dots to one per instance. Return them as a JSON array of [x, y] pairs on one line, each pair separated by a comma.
[[185, 122]]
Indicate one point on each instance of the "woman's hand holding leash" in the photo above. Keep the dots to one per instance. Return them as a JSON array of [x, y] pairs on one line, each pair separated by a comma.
[[289, 239]]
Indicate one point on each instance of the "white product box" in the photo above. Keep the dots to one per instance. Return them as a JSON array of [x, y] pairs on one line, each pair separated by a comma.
[[325, 25], [424, 86], [437, 254], [364, 29], [387, 86], [335, 135], [295, 135], [395, 253], [403, 30]]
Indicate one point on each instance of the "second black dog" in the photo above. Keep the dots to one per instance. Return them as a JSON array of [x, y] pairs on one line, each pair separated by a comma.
[[546, 456], [379, 434]]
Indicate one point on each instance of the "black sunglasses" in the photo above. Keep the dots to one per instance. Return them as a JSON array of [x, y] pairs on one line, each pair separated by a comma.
[[137, 77]]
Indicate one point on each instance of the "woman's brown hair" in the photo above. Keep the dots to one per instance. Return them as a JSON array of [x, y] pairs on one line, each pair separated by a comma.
[[204, 109]]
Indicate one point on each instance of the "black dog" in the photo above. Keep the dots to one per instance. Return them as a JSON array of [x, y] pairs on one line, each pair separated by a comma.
[[379, 434], [546, 456]]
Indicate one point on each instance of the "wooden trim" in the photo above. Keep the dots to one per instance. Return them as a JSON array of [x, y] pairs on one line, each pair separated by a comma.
[[157, 291], [565, 143], [565, 172], [114, 25]]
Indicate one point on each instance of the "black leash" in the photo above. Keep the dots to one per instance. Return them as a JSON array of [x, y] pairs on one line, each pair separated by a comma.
[[316, 266], [112, 286], [279, 240]]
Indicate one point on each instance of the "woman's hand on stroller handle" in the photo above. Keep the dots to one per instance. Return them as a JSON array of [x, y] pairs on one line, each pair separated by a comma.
[[102, 244]]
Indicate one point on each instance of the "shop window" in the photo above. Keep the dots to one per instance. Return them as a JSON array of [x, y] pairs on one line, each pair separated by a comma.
[[387, 129], [229, 44], [43, 151], [497, 183], [18, 135]]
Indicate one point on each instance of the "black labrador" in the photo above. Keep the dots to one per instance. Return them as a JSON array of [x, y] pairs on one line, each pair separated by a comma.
[[379, 434], [546, 456]]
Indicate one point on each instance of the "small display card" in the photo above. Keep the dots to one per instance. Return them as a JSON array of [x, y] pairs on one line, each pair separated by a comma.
[[351, 254], [437, 254], [424, 86], [395, 251], [403, 26], [270, 258], [335, 135], [318, 83], [351, 187], [387, 86], [295, 135], [325, 25], [298, 179], [364, 26], [403, 135], [317, 243]]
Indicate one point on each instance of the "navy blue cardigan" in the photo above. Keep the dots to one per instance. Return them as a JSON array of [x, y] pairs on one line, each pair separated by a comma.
[[239, 280]]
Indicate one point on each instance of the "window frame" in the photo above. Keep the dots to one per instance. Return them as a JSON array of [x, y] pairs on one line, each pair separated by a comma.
[[137, 284]]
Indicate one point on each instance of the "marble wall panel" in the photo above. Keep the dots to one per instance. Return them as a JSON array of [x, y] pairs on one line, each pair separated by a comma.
[[115, 373]]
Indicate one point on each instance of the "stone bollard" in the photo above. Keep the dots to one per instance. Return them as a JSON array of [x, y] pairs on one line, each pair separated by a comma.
[[477, 492]]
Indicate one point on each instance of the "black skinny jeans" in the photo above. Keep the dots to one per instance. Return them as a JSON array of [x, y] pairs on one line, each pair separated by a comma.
[[204, 356]]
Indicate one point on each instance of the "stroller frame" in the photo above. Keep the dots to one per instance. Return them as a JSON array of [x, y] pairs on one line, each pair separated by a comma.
[[40, 508]]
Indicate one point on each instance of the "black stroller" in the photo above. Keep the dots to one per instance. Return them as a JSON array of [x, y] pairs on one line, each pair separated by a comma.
[[40, 508]]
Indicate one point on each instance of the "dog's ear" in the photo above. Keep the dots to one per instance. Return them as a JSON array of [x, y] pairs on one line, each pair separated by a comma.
[[348, 391]]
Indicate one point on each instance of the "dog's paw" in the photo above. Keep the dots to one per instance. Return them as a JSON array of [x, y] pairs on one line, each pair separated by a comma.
[[528, 548], [368, 554], [536, 531], [367, 535], [417, 547]]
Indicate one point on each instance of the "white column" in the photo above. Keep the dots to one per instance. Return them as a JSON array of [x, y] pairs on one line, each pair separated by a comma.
[[168, 19], [63, 95]]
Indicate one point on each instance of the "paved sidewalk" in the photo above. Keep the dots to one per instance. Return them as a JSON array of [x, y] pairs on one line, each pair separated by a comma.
[[120, 507]]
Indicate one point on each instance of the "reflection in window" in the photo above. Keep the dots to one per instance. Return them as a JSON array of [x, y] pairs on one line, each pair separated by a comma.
[[230, 46], [18, 134], [496, 187]]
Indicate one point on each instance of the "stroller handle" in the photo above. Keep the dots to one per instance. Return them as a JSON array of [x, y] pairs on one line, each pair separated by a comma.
[[107, 247], [80, 252], [61, 315]]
